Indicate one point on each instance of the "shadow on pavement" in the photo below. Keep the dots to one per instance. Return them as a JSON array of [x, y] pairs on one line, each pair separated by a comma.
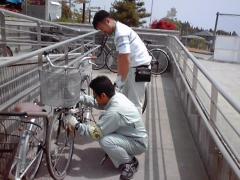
[[86, 163]]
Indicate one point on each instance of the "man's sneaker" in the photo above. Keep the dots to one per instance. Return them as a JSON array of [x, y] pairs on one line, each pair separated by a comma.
[[129, 169]]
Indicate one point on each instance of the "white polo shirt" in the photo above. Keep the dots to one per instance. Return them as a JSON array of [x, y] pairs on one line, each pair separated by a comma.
[[127, 41]]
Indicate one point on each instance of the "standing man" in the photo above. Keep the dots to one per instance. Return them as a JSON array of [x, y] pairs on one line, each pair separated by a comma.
[[132, 53], [120, 129]]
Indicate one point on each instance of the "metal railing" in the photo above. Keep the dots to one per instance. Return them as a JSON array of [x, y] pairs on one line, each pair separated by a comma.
[[220, 111], [19, 79], [23, 34], [19, 75], [217, 107]]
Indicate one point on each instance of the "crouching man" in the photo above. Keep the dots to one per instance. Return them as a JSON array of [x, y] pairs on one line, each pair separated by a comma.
[[120, 130]]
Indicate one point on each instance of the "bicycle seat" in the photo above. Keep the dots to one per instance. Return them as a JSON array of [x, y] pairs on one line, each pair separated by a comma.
[[28, 108]]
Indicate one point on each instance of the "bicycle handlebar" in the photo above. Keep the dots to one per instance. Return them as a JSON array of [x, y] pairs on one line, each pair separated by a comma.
[[30, 114], [13, 114], [88, 58]]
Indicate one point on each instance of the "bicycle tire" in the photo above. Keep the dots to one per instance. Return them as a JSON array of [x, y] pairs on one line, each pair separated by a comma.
[[145, 100], [160, 61], [8, 51], [100, 61], [32, 148], [111, 60], [58, 139]]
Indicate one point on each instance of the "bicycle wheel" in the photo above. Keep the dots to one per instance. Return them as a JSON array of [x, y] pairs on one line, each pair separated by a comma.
[[59, 149], [145, 100], [7, 50], [160, 60], [100, 61], [111, 60], [31, 149]]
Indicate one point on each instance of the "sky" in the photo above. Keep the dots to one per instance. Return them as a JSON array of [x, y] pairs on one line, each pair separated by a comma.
[[201, 13]]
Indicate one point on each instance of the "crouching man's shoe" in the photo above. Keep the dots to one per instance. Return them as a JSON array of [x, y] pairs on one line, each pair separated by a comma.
[[128, 169]]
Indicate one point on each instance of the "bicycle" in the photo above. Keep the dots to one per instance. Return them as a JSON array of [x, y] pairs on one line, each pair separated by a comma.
[[106, 56], [70, 83], [28, 132], [22, 137], [159, 64], [160, 59], [5, 51]]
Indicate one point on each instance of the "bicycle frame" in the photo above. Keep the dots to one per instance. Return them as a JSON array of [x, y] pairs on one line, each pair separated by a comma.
[[63, 138], [160, 59], [21, 160], [20, 166]]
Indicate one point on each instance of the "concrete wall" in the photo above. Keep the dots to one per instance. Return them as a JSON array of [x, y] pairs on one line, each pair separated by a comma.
[[227, 48], [89, 27]]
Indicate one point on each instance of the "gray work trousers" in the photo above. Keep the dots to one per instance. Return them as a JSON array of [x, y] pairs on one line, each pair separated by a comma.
[[135, 91], [120, 149]]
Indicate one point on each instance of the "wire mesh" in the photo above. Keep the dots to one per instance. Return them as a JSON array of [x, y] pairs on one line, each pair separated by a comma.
[[59, 89], [10, 130]]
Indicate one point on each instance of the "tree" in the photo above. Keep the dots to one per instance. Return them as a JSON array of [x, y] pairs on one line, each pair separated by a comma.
[[234, 33], [66, 11], [129, 12], [70, 13]]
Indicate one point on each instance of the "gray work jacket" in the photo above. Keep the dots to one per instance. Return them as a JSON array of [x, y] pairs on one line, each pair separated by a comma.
[[120, 116]]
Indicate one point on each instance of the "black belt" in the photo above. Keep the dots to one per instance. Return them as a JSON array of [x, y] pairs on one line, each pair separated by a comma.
[[141, 66]]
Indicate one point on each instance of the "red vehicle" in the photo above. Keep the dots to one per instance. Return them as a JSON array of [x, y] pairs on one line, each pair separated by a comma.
[[163, 24], [12, 5]]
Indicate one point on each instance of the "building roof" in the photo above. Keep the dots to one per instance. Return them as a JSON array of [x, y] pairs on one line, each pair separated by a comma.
[[193, 37], [204, 33]]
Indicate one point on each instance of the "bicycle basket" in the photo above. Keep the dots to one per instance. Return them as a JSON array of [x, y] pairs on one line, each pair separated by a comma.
[[59, 89], [9, 139]]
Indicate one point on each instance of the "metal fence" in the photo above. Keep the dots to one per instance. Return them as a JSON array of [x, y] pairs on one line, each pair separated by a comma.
[[219, 111], [23, 34], [19, 77]]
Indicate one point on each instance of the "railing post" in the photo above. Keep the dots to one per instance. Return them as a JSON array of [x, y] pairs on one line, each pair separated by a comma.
[[39, 39], [18, 35], [3, 33], [61, 32], [213, 105], [82, 45], [184, 66], [178, 54], [194, 80], [66, 53], [94, 38]]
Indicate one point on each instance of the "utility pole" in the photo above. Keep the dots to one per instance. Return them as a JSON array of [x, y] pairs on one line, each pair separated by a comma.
[[215, 31], [83, 14], [70, 4], [151, 12]]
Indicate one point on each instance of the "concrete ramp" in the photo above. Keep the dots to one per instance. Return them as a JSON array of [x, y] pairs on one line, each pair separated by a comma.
[[172, 154]]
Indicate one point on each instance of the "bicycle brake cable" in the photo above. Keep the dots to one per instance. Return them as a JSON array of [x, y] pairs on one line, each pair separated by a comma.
[[104, 41]]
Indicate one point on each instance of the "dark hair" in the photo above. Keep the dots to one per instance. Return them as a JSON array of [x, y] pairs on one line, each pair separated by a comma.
[[99, 16], [102, 84]]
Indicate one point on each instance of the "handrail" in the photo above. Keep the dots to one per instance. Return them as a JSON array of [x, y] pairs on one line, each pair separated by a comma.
[[225, 94], [36, 19], [226, 149], [212, 132], [11, 60]]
